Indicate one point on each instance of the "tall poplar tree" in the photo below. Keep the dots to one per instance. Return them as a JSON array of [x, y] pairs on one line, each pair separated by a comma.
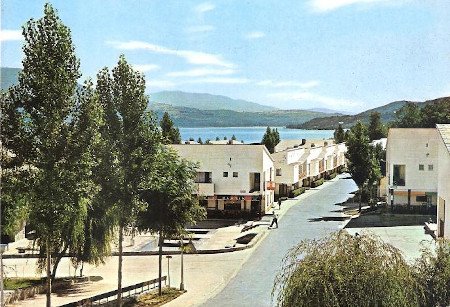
[[42, 107], [132, 139]]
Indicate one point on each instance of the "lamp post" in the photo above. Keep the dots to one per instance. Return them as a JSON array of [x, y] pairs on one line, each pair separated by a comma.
[[2, 294], [168, 268], [182, 281]]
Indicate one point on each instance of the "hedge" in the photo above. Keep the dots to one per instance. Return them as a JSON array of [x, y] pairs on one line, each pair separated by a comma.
[[317, 183], [297, 192]]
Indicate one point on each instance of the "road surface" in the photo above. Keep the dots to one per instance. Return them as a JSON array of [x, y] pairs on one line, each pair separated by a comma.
[[252, 285]]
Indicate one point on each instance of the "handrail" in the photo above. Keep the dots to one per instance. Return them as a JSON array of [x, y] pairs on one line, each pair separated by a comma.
[[96, 299]]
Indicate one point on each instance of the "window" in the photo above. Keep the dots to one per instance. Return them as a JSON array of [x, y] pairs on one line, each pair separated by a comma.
[[225, 174], [421, 199], [235, 174], [399, 175], [430, 167], [421, 167], [278, 172]]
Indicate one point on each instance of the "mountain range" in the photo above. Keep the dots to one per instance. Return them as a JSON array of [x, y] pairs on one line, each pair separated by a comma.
[[387, 114], [206, 110], [204, 101]]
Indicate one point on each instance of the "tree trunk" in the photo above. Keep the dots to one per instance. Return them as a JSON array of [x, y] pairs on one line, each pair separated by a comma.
[[49, 279], [161, 240], [360, 200], [57, 261], [119, 273]]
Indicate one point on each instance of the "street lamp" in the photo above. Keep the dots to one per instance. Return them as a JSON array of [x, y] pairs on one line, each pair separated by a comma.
[[2, 294], [168, 268], [182, 281]]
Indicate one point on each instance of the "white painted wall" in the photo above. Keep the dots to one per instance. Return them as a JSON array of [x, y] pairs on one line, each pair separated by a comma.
[[411, 147]]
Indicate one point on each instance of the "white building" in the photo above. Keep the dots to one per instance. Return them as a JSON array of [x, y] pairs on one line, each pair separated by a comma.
[[443, 187], [412, 166], [233, 177], [298, 163]]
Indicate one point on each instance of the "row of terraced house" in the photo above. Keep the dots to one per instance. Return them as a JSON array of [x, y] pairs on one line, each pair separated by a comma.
[[238, 177]]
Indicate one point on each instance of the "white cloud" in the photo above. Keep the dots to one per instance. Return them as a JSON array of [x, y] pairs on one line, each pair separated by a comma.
[[330, 5], [303, 85], [10, 35], [320, 100], [193, 57], [204, 7], [255, 35], [146, 67], [200, 29], [201, 72], [219, 80]]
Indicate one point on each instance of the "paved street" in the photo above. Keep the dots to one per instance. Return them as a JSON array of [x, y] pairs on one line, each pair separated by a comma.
[[252, 286]]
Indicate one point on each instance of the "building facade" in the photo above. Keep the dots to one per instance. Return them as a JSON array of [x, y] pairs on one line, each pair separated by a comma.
[[232, 177], [300, 163], [412, 166]]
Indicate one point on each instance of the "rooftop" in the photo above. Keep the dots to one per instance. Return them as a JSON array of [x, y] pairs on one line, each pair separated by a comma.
[[444, 131]]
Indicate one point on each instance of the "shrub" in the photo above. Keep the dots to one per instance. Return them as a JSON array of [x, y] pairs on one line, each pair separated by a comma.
[[317, 183], [342, 270], [432, 271], [297, 192]]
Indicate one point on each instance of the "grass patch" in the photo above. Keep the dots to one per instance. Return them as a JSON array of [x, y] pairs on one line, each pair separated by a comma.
[[153, 299], [20, 283]]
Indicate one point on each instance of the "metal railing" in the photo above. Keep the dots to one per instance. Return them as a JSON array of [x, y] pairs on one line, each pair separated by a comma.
[[111, 296]]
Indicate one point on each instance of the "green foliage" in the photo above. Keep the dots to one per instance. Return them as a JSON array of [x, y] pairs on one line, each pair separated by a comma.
[[298, 192], [432, 270], [270, 139], [233, 137], [200, 140], [317, 183], [339, 134], [170, 133], [412, 116], [408, 116], [436, 113], [362, 165], [358, 154], [169, 196], [376, 129], [342, 270]]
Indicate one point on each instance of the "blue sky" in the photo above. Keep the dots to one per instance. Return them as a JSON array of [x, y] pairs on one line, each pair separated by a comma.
[[341, 54]]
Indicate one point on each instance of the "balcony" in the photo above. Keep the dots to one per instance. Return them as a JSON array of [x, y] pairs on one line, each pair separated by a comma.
[[205, 189]]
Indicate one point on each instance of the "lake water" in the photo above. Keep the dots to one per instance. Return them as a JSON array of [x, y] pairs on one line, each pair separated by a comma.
[[251, 134]]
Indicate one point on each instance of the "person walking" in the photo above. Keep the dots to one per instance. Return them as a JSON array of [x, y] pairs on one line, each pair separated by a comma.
[[279, 203], [274, 220]]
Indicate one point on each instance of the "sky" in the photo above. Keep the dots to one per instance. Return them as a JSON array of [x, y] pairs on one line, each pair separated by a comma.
[[348, 55]]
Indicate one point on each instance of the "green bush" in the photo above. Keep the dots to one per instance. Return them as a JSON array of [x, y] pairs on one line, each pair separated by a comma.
[[317, 183], [345, 270], [331, 176], [432, 271], [297, 192]]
